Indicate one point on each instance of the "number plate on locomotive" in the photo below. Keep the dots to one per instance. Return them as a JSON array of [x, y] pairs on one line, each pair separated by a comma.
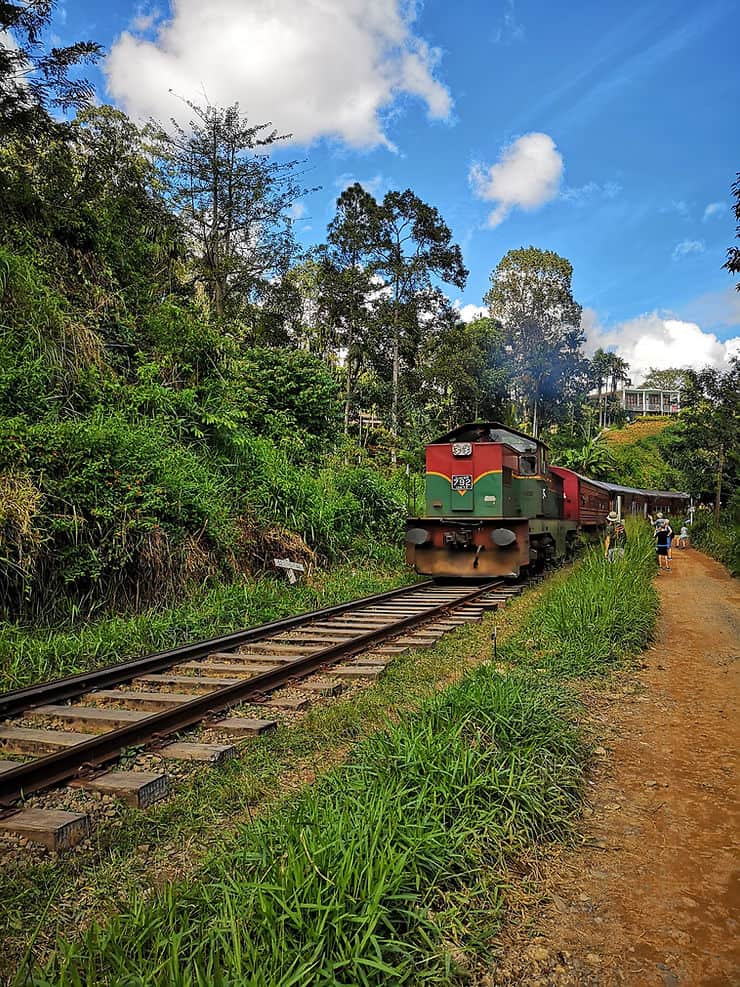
[[461, 449], [462, 482]]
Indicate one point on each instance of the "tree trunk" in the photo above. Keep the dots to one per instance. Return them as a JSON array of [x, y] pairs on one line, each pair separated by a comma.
[[718, 496], [396, 372]]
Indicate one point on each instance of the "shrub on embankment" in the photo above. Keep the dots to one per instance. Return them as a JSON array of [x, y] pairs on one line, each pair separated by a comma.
[[364, 878], [118, 508]]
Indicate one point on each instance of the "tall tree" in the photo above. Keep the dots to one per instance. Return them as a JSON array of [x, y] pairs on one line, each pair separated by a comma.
[[411, 244], [599, 375], [348, 291], [733, 253], [531, 296], [32, 77], [232, 200], [465, 372]]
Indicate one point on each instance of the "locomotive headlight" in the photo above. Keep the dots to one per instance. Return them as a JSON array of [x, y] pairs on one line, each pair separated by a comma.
[[503, 537], [418, 536]]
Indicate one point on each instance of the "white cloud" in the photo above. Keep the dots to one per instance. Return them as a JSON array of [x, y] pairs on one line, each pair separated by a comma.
[[686, 247], [316, 68], [714, 209], [510, 29], [297, 210], [527, 175], [652, 340], [584, 193], [470, 312]]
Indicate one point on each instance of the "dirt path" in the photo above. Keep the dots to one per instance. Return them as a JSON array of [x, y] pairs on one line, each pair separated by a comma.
[[653, 898]]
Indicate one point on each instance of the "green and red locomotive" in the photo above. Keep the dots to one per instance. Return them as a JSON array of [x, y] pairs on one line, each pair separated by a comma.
[[494, 506]]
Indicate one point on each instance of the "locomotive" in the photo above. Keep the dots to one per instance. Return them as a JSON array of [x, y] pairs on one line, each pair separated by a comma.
[[495, 507]]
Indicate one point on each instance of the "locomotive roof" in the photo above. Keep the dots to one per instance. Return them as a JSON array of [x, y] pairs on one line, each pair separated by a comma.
[[498, 426]]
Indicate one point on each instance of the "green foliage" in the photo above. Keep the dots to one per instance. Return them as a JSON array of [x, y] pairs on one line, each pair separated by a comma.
[[531, 297], [643, 462], [32, 79], [125, 511], [356, 881], [594, 458]]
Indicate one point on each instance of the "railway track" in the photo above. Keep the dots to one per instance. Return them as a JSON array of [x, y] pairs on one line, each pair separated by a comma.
[[70, 730]]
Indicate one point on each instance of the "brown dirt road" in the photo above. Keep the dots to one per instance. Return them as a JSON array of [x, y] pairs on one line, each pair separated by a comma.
[[653, 895]]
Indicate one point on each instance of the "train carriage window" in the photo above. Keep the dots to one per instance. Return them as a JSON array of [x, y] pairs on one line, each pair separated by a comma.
[[527, 465]]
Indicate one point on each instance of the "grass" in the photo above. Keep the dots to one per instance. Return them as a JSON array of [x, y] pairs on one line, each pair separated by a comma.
[[589, 622], [361, 879], [721, 541], [137, 851], [27, 656], [642, 428]]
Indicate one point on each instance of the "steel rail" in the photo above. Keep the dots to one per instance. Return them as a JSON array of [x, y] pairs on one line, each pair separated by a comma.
[[65, 764], [15, 702]]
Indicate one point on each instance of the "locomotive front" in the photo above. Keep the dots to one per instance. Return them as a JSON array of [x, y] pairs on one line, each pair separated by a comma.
[[492, 506]]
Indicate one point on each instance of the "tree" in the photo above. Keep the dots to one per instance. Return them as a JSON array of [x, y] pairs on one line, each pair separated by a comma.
[[410, 244], [232, 201], [465, 372], [593, 459], [531, 296], [33, 79], [402, 244], [670, 379], [707, 439], [599, 374], [348, 290], [732, 264]]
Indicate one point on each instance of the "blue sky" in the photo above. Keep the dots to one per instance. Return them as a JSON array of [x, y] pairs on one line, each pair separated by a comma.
[[607, 132]]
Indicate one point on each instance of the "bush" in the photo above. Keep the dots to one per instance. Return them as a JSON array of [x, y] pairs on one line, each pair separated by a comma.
[[125, 513]]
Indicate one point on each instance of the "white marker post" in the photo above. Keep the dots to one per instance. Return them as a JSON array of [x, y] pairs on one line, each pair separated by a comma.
[[291, 568]]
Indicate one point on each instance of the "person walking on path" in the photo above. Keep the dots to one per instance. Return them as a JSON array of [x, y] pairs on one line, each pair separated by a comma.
[[683, 538], [616, 537], [663, 535]]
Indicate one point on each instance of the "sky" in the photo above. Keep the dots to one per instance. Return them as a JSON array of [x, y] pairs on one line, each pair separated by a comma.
[[608, 133]]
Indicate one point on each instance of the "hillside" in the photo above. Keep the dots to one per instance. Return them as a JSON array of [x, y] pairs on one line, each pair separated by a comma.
[[639, 453]]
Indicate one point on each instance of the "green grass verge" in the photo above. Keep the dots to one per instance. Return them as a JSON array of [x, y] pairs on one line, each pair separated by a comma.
[[721, 541], [28, 656], [362, 878], [592, 619]]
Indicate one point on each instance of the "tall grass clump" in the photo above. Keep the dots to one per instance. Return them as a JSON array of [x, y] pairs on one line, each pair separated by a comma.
[[372, 875], [598, 616], [721, 541]]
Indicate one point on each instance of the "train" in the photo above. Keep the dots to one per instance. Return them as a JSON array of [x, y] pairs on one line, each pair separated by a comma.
[[494, 506]]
